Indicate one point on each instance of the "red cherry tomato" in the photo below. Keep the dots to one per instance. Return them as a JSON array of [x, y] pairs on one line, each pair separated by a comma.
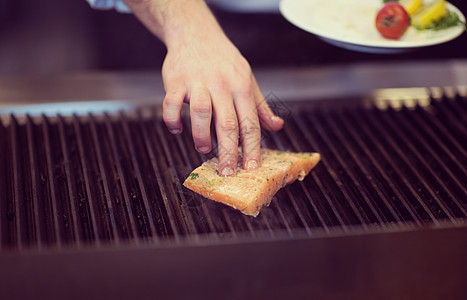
[[392, 20]]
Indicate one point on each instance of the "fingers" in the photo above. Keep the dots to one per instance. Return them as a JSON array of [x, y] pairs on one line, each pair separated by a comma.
[[225, 120], [172, 106], [250, 130], [237, 110], [201, 112], [267, 118]]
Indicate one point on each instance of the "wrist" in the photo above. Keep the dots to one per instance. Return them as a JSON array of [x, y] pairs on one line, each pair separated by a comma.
[[176, 22], [190, 22]]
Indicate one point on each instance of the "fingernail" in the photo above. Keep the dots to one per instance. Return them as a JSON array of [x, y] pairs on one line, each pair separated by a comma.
[[203, 149], [276, 119], [227, 171], [251, 164], [175, 131]]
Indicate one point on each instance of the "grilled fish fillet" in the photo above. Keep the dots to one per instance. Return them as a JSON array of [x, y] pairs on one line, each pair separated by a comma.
[[250, 190]]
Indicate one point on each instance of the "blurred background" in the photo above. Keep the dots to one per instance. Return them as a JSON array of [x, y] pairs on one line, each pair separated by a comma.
[[51, 37]]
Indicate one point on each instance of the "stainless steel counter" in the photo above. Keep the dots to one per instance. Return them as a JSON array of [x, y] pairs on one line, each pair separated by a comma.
[[286, 84]]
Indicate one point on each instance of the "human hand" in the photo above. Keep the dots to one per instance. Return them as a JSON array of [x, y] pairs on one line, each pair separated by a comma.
[[210, 74], [203, 68]]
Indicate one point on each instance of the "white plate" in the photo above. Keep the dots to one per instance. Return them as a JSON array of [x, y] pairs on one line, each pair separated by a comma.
[[350, 24]]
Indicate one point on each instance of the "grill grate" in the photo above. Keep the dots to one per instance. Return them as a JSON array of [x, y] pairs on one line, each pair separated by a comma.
[[113, 178]]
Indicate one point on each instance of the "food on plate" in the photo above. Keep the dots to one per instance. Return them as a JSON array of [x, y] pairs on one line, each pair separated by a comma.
[[431, 15], [250, 190], [411, 6], [449, 20], [392, 20], [435, 16]]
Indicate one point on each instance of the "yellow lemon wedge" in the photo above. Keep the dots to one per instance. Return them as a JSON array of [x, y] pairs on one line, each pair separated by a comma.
[[411, 6], [429, 13]]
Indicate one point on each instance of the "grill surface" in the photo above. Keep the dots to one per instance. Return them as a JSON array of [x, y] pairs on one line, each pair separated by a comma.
[[115, 178]]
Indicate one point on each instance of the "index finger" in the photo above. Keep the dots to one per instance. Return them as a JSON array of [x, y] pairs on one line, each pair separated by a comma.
[[172, 106]]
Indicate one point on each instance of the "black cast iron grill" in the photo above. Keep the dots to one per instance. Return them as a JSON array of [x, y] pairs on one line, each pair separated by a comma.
[[116, 178]]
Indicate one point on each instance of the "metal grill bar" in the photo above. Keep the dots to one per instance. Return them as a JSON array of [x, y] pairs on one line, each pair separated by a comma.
[[157, 174], [221, 224], [109, 179], [108, 210], [336, 143], [128, 216], [411, 168], [88, 198], [249, 226], [320, 190], [137, 170], [283, 220], [3, 187], [230, 225], [456, 105], [183, 145], [385, 208], [333, 217], [451, 115], [334, 168], [409, 138], [279, 145], [16, 182], [378, 171], [34, 184], [450, 165], [448, 134], [444, 139], [172, 182], [50, 178], [134, 194], [416, 203], [72, 191], [351, 215]]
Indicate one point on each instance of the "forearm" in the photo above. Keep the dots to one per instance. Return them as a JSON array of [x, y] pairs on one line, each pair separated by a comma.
[[174, 21]]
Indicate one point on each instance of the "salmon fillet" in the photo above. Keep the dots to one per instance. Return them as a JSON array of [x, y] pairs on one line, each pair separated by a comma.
[[250, 190]]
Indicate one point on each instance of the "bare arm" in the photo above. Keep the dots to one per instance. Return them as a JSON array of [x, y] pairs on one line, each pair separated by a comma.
[[204, 69]]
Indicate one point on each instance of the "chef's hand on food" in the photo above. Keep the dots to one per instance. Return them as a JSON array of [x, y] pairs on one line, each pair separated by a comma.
[[203, 68]]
